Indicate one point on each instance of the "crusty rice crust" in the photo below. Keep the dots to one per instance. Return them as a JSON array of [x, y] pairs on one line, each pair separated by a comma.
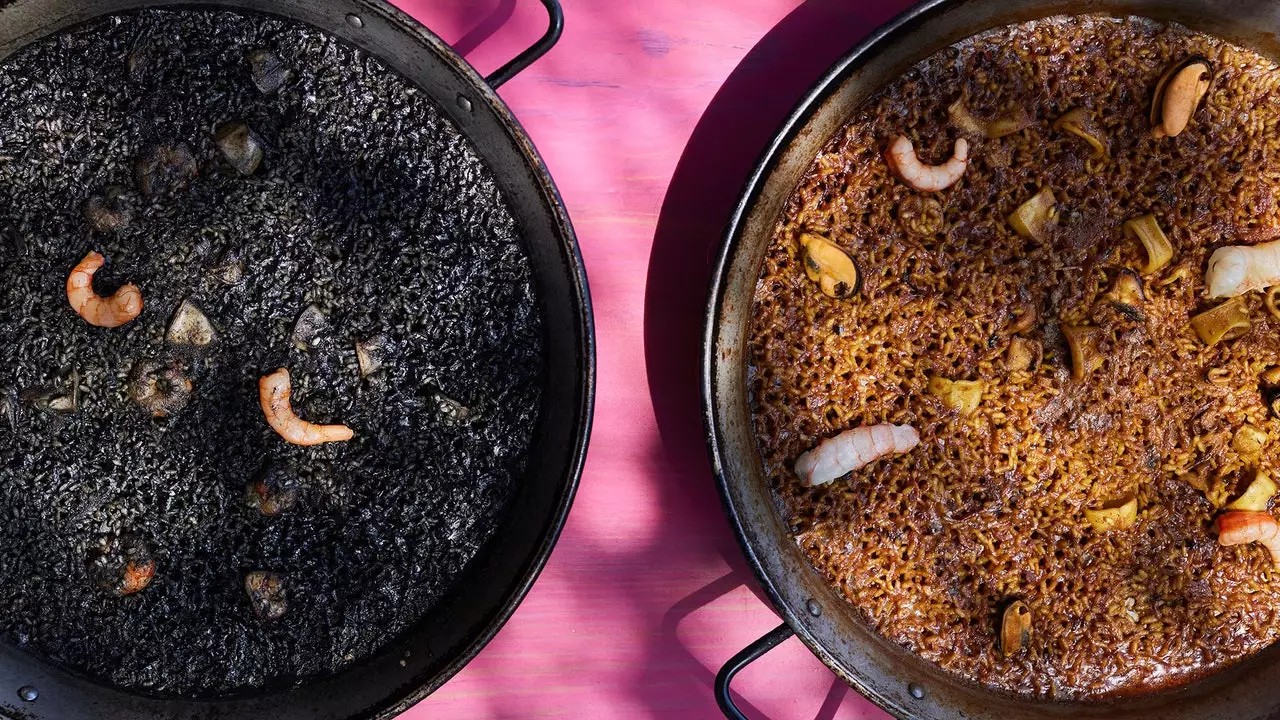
[[931, 546]]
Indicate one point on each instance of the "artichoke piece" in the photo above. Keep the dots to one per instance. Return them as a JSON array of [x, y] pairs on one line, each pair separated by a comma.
[[372, 354], [1079, 123], [240, 145], [1257, 496], [268, 596], [1148, 232], [267, 70], [963, 396], [189, 326], [1248, 442], [1083, 343], [1036, 217], [960, 115], [1009, 124], [310, 327], [1023, 354], [1114, 515], [1224, 322]]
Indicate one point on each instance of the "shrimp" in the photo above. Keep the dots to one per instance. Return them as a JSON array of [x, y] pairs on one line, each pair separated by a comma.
[[274, 391], [108, 312], [902, 159], [1240, 527], [853, 449], [1237, 269]]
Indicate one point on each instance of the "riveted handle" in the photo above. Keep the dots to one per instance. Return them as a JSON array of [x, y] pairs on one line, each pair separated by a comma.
[[548, 40], [750, 654]]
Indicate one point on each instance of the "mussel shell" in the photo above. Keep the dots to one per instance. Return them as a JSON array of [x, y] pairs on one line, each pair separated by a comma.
[[1157, 99]]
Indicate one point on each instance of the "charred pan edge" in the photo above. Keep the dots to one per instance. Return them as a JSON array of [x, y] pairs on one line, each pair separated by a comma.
[[1227, 19], [583, 330], [795, 123]]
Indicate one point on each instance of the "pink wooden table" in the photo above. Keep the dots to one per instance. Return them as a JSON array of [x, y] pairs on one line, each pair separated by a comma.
[[650, 114]]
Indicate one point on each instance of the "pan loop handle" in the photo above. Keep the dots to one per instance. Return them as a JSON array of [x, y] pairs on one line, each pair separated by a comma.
[[736, 663], [548, 40]]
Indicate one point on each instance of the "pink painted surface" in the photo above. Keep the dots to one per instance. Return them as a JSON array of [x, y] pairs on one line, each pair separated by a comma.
[[649, 114]]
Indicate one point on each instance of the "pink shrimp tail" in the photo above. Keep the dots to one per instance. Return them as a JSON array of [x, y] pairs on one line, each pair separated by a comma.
[[1241, 527], [853, 449]]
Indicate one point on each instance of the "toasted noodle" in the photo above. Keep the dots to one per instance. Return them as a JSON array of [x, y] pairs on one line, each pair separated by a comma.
[[992, 505]]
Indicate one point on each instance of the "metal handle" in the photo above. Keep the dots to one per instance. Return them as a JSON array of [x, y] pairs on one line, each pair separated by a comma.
[[548, 40], [749, 655]]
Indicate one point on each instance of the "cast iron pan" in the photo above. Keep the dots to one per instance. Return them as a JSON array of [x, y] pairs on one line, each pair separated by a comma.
[[451, 634], [896, 680]]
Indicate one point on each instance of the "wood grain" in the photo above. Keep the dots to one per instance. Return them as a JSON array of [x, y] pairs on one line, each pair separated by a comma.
[[650, 115]]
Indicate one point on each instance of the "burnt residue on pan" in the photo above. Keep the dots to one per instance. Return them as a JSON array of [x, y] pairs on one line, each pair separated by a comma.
[[368, 216]]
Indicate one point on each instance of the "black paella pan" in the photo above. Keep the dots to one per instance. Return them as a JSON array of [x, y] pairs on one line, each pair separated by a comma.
[[893, 678], [499, 165]]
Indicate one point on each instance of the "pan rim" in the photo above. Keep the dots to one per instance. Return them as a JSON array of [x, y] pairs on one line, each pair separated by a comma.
[[584, 377], [764, 165], [830, 83]]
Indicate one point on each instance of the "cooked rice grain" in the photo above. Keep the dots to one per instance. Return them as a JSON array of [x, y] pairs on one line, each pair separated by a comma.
[[930, 546]]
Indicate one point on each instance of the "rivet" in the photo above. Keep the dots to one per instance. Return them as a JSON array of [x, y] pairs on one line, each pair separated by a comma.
[[464, 103], [916, 691], [355, 21], [813, 607], [28, 693]]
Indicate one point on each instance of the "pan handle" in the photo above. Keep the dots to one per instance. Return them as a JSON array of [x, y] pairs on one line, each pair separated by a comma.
[[749, 655], [535, 51]]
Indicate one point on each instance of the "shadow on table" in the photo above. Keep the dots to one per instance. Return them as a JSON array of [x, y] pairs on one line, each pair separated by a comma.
[[706, 595], [485, 28], [726, 143], [446, 19]]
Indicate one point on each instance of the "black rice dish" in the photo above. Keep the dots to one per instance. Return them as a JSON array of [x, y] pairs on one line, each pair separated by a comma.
[[292, 203]]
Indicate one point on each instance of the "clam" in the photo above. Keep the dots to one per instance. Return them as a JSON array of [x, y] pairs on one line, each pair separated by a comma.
[[267, 596], [267, 70], [240, 145], [110, 211], [158, 387], [1015, 628], [309, 327], [121, 565], [273, 490], [164, 169], [189, 326]]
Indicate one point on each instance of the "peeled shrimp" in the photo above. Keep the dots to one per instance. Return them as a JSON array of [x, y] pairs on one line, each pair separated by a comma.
[[901, 157], [1240, 527], [274, 391], [1237, 269], [108, 312], [853, 449]]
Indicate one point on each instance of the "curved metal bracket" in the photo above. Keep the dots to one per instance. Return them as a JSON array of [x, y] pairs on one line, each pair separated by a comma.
[[748, 655], [548, 40]]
